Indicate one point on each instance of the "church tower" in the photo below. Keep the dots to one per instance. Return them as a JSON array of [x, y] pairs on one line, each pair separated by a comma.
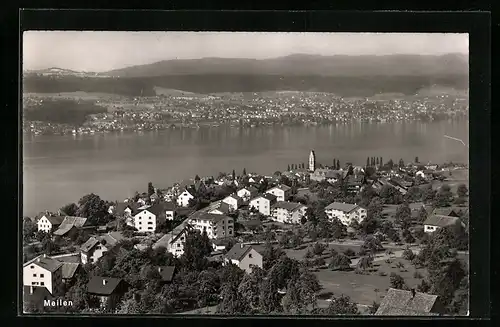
[[312, 161]]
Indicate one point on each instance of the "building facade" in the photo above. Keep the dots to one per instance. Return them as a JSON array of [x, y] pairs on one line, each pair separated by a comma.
[[263, 203], [282, 192], [183, 198], [288, 212], [216, 226], [45, 272], [346, 212], [312, 161]]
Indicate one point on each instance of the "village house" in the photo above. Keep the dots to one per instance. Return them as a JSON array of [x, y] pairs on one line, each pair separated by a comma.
[[184, 197], [282, 192], [71, 267], [216, 226], [288, 212], [148, 218], [345, 212], [107, 290], [354, 183], [234, 201], [435, 222], [247, 193], [322, 174], [173, 241], [449, 211], [49, 223], [97, 246], [45, 272], [409, 303], [71, 225], [243, 256], [263, 203]]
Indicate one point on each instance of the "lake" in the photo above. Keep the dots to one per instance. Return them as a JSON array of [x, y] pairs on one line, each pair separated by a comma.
[[60, 169]]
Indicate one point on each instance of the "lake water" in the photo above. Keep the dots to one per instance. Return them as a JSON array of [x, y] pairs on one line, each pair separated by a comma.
[[60, 169]]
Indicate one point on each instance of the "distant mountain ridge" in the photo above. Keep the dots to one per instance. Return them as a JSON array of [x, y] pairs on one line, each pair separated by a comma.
[[304, 64]]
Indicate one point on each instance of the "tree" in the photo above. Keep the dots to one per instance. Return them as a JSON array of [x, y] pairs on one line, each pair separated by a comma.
[[29, 229], [151, 189], [401, 163], [232, 302], [428, 193], [338, 164], [196, 248], [377, 161], [390, 164], [443, 198], [414, 194], [341, 306], [446, 279], [340, 262], [375, 208], [208, 288], [408, 254], [234, 175], [288, 168], [422, 215], [364, 263], [371, 245], [460, 303], [249, 288], [318, 248], [269, 298], [397, 281], [408, 237], [48, 246], [423, 287], [368, 162], [403, 215], [245, 171], [416, 160], [390, 195], [271, 255], [92, 207], [311, 216], [69, 210], [462, 190], [374, 307]]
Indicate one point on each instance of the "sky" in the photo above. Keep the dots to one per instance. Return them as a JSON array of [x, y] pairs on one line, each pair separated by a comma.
[[102, 51]]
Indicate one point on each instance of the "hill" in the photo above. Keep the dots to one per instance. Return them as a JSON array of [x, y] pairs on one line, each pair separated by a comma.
[[346, 86], [305, 65]]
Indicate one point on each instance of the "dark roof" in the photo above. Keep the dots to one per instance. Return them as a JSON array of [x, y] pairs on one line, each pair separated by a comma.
[[111, 239], [69, 269], [290, 206], [70, 257], [345, 207], [207, 216], [36, 294], [268, 196], [76, 221], [234, 196], [89, 244], [120, 207], [55, 220], [45, 262], [63, 229], [281, 187], [237, 252], [441, 221], [421, 303], [172, 235], [251, 189], [394, 311], [445, 212], [97, 286], [166, 273]]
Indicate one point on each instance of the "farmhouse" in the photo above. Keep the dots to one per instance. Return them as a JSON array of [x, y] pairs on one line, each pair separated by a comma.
[[263, 203], [48, 223], [173, 242], [288, 212], [44, 271], [184, 197], [234, 202], [95, 247], [244, 256], [219, 208], [345, 212], [107, 290], [434, 222], [70, 225], [409, 303], [148, 218]]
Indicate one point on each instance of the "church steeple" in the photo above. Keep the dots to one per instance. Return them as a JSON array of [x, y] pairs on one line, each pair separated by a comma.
[[312, 161]]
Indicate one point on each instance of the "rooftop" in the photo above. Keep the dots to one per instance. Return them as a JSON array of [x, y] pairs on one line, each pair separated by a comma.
[[401, 302], [238, 251], [290, 206], [166, 273], [280, 187], [344, 207], [45, 262], [103, 285], [69, 269], [441, 221]]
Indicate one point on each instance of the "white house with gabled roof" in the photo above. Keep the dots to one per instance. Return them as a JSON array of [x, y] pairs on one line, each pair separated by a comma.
[[345, 212], [282, 192], [49, 223], [45, 272]]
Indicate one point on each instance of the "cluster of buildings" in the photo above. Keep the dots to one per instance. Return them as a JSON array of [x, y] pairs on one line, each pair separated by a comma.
[[261, 109]]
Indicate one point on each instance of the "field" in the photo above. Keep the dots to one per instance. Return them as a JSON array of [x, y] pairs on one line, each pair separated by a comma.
[[364, 289]]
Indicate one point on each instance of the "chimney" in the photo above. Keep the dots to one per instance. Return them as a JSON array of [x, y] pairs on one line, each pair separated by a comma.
[[412, 292], [31, 289], [241, 245], [104, 282]]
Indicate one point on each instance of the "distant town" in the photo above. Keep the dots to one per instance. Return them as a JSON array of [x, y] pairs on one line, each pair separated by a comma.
[[177, 109], [387, 237]]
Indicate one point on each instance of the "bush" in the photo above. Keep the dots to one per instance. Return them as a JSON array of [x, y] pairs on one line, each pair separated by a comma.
[[382, 273], [318, 248], [408, 254], [350, 253], [308, 254], [319, 262]]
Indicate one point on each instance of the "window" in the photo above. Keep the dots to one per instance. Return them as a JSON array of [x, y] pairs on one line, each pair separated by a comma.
[[150, 223], [42, 283], [178, 245], [150, 228], [32, 267], [182, 238], [250, 255], [34, 275], [230, 232], [33, 283], [41, 275]]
